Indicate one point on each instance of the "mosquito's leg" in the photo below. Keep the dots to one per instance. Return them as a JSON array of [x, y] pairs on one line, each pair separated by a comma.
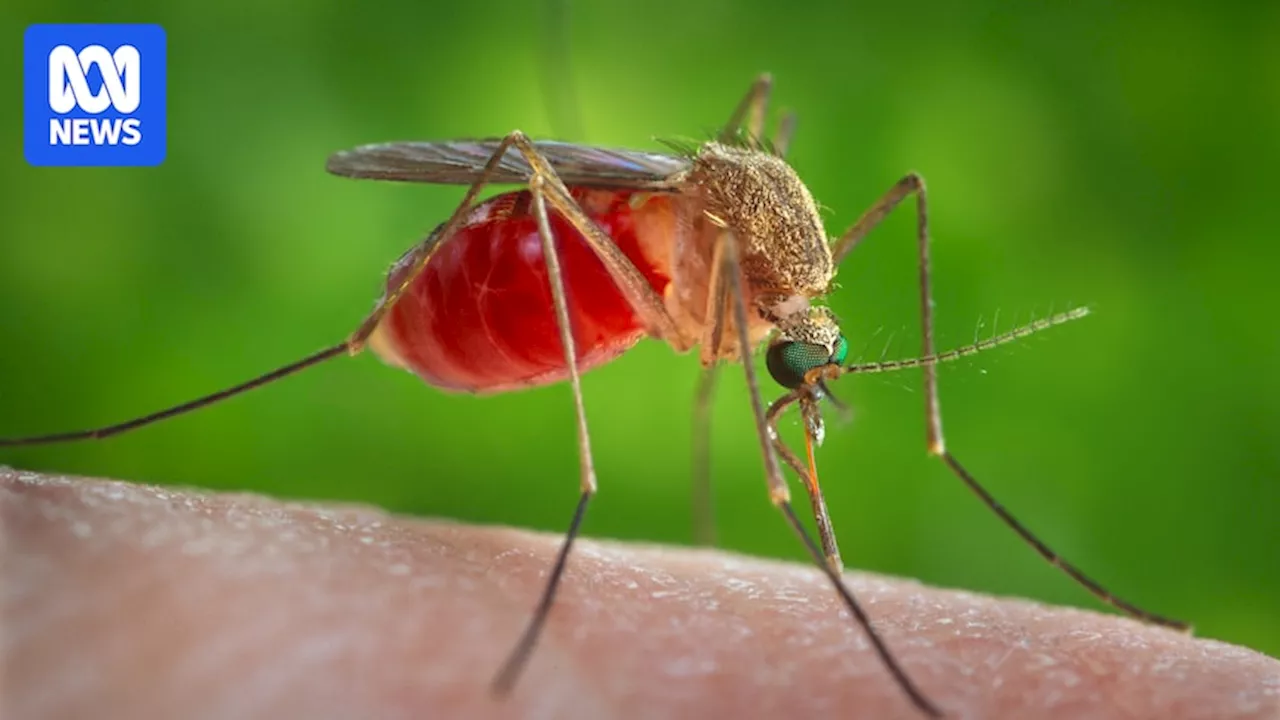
[[825, 531], [352, 346], [751, 109], [134, 424], [778, 492], [546, 187], [422, 254], [630, 281], [908, 185], [808, 475], [709, 354], [782, 136], [936, 444], [772, 416], [704, 515], [524, 648]]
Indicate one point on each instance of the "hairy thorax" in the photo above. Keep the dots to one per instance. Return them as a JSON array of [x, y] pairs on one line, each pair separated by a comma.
[[761, 202]]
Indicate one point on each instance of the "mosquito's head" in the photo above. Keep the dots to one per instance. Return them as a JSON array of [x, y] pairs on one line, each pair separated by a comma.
[[807, 340]]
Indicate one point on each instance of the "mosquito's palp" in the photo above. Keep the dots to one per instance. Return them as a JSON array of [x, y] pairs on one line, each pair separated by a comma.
[[826, 392], [842, 408]]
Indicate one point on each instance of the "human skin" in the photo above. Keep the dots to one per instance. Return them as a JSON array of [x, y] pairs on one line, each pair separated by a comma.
[[128, 601]]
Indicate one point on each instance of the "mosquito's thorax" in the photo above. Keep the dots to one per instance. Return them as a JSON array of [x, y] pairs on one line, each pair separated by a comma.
[[764, 203], [783, 247]]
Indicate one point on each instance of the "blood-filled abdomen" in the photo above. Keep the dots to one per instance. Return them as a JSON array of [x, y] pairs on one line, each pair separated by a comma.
[[480, 317]]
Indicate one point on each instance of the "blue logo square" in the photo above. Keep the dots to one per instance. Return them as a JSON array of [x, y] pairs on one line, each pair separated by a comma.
[[94, 95]]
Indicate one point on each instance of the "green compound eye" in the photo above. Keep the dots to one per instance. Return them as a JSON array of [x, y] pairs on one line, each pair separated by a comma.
[[789, 361], [842, 351]]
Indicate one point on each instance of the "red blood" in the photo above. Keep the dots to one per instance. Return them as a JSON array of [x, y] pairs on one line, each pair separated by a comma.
[[480, 317]]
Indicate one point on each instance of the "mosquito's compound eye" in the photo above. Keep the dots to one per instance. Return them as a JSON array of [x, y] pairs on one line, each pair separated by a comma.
[[842, 351], [789, 361]]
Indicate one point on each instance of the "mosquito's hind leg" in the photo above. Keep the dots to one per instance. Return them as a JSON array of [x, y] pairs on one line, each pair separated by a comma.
[[107, 431], [913, 184], [354, 344], [421, 255]]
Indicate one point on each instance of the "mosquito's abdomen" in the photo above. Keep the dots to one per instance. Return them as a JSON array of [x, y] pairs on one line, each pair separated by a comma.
[[480, 317]]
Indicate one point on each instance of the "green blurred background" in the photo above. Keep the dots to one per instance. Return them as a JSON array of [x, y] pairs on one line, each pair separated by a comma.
[[1086, 154]]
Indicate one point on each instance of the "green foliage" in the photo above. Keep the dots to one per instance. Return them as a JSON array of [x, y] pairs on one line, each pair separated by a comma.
[[1075, 152]]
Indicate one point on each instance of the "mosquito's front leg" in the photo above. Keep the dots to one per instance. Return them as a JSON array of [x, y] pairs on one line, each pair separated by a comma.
[[807, 475], [731, 270], [913, 184]]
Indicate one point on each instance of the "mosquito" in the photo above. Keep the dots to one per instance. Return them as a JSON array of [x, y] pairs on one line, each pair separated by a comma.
[[717, 245]]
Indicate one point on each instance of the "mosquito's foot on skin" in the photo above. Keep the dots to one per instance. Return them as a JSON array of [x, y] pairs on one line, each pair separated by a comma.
[[242, 606]]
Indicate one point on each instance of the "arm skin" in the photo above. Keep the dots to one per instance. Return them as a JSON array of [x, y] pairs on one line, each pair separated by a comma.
[[129, 601]]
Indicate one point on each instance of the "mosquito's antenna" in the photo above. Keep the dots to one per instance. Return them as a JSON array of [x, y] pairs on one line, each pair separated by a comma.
[[1003, 338], [108, 431]]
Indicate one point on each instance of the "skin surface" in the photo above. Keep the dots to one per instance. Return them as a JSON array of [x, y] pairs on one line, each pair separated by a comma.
[[128, 601]]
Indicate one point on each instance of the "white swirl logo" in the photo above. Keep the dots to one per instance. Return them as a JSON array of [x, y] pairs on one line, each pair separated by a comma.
[[69, 87]]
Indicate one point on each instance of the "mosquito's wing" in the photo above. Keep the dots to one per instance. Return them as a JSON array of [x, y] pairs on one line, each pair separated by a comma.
[[460, 162]]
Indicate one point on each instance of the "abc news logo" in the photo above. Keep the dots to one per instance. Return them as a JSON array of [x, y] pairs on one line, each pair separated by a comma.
[[69, 89], [94, 95]]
